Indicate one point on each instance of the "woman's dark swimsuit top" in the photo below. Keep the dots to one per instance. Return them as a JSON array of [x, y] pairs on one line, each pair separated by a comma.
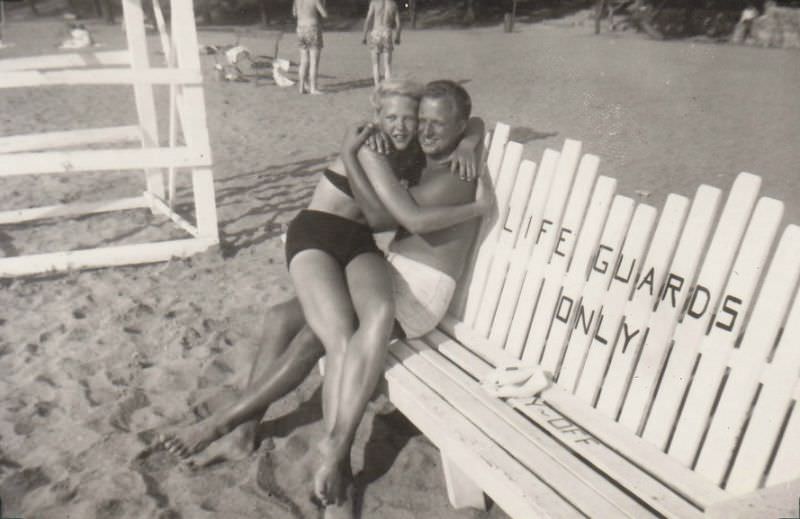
[[406, 164]]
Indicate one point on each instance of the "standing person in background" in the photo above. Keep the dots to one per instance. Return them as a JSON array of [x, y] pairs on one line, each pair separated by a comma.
[[309, 39], [384, 18]]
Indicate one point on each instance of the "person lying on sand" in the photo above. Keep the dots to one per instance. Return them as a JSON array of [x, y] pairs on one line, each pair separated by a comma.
[[338, 285]]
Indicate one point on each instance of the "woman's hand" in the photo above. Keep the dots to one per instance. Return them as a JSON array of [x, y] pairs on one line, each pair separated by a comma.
[[355, 137], [463, 162], [484, 194], [379, 142]]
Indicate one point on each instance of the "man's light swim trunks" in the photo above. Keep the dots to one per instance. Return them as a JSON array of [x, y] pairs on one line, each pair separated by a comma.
[[422, 294], [380, 40], [309, 36]]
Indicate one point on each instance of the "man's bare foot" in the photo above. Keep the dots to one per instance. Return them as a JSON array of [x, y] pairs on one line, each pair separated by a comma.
[[315, 92], [302, 89], [238, 445], [185, 441]]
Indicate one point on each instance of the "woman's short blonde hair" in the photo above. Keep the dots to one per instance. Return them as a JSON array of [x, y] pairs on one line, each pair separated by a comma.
[[396, 87]]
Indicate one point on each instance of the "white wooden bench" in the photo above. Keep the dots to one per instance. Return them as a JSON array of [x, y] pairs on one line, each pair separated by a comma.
[[674, 341]]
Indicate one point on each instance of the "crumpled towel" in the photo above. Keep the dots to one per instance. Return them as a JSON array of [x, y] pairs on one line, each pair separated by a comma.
[[516, 381], [279, 69], [235, 53]]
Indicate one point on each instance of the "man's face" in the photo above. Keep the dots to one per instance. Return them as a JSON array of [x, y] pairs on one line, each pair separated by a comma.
[[440, 128], [397, 118]]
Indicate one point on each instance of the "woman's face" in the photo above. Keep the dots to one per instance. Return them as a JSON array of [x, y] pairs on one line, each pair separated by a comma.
[[397, 118]]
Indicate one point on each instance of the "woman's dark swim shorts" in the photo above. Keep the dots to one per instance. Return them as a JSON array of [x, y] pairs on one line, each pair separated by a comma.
[[340, 237]]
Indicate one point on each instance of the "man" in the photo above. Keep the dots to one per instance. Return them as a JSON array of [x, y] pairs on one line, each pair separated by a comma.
[[309, 40], [384, 16], [290, 350]]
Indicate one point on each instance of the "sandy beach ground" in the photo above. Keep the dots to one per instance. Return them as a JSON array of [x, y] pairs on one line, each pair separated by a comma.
[[90, 360]]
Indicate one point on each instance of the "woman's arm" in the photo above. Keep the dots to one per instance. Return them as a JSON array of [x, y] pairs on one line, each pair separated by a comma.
[[366, 166]]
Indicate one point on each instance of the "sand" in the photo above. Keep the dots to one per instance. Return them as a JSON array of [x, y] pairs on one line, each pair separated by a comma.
[[91, 361]]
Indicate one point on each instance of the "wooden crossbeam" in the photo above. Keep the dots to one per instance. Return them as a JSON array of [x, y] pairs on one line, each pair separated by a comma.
[[100, 76], [74, 209], [66, 139], [99, 160], [103, 257], [83, 59]]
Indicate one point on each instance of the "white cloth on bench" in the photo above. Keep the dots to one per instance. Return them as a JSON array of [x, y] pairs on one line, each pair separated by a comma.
[[422, 294], [516, 381]]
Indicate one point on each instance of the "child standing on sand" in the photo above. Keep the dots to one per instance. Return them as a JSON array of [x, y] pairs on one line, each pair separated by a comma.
[[309, 40], [385, 18]]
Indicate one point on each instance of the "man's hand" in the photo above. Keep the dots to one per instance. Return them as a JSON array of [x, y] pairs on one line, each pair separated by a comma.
[[463, 162], [355, 137], [379, 142], [484, 194]]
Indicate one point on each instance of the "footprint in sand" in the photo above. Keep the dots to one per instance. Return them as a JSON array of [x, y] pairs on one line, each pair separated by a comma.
[[121, 418]]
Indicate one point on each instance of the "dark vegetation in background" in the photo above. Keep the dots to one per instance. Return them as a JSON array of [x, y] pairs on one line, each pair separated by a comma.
[[659, 18]]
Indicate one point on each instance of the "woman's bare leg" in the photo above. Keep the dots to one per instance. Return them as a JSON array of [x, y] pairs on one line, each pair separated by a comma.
[[371, 291]]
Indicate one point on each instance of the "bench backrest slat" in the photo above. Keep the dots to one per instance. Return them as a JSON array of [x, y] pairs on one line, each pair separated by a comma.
[[469, 283], [609, 285], [762, 331], [718, 344], [563, 308], [673, 297], [545, 241], [505, 244], [778, 390], [626, 329], [707, 292], [573, 237], [518, 260]]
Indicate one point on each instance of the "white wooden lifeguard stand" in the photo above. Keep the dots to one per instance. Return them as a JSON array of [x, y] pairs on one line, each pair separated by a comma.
[[46, 153]]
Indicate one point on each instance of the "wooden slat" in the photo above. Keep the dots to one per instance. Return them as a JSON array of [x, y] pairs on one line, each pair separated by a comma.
[[510, 485], [495, 148], [761, 333], [507, 235], [524, 443], [673, 297], [545, 243], [595, 438], [99, 160], [779, 381], [787, 459], [610, 304], [604, 272], [50, 140], [504, 185], [627, 326], [99, 76], [702, 305], [717, 346], [164, 209], [462, 492], [82, 59], [564, 308], [192, 110], [524, 246], [576, 237], [775, 501], [143, 93], [75, 209], [102, 257]]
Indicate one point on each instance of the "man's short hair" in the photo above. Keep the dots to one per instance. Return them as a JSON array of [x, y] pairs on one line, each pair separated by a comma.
[[395, 87], [447, 89]]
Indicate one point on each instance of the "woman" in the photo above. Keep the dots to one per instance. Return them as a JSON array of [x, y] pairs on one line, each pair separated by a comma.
[[341, 278]]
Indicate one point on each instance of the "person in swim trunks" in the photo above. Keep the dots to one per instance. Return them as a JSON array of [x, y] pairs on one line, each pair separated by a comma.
[[309, 41], [421, 275], [383, 19]]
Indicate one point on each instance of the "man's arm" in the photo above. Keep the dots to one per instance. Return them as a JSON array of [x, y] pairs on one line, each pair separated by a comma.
[[402, 206], [367, 20], [321, 8]]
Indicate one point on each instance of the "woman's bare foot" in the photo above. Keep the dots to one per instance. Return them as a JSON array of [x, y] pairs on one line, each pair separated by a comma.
[[238, 445], [331, 476]]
